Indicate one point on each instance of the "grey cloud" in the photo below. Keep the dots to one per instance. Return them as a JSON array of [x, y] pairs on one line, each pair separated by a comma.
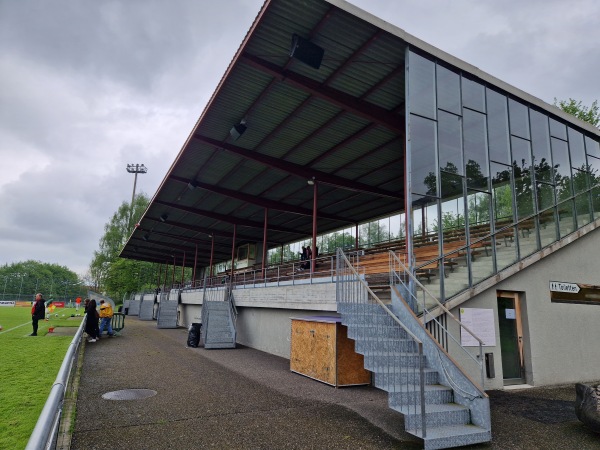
[[89, 86]]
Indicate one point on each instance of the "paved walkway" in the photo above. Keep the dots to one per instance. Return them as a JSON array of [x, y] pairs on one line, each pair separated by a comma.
[[247, 399]]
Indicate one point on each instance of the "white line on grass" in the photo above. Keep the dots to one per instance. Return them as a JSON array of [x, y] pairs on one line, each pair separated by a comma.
[[14, 328]]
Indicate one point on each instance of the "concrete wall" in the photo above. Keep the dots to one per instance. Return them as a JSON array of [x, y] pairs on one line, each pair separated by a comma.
[[264, 313], [560, 339]]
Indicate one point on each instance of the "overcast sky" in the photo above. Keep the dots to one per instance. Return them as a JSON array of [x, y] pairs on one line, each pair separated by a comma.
[[88, 86]]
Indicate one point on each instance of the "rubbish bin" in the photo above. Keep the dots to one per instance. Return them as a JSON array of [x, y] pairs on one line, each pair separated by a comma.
[[194, 335]]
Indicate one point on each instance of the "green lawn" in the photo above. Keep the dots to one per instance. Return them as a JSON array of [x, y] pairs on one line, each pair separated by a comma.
[[28, 368]]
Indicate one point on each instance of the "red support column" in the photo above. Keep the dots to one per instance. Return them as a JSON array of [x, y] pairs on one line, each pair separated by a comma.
[[212, 254], [182, 270], [233, 254], [314, 231], [159, 275], [264, 252], [195, 264], [173, 276]]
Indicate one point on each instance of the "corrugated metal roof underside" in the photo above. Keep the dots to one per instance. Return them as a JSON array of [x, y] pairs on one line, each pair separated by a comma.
[[341, 124]]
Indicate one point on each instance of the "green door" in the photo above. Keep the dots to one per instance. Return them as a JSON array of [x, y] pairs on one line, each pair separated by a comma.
[[510, 339]]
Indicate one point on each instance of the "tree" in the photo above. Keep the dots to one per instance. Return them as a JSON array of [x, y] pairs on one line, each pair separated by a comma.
[[575, 108], [112, 274], [22, 280]]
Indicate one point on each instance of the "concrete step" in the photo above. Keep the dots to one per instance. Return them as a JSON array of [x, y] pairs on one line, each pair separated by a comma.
[[411, 395], [380, 361], [390, 379], [436, 415], [453, 436], [371, 343]]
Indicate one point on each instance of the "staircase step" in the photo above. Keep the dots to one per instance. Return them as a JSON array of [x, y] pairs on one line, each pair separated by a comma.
[[436, 415], [385, 360], [411, 395], [453, 436], [357, 331], [369, 343], [388, 379]]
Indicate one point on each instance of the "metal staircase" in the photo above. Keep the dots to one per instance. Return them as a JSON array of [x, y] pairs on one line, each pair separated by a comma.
[[218, 318], [440, 403]]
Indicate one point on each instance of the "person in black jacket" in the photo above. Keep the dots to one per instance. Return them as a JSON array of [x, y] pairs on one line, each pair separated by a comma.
[[37, 312], [91, 323]]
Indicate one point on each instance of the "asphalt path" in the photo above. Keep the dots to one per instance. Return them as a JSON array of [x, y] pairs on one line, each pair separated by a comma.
[[246, 399]]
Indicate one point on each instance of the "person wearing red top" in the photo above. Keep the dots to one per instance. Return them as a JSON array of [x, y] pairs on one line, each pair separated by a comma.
[[37, 313]]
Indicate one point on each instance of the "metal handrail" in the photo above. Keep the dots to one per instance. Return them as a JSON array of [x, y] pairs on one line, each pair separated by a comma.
[[344, 263], [479, 361], [45, 432]]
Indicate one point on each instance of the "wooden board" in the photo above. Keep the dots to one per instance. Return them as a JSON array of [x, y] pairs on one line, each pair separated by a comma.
[[320, 349], [350, 365]]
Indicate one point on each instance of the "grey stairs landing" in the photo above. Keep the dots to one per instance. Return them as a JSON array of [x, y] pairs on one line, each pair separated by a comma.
[[218, 325], [392, 357]]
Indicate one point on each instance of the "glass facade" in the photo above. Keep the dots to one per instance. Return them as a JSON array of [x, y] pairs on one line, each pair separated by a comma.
[[493, 178]]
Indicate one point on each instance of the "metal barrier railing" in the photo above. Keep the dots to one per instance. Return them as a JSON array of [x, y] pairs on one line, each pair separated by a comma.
[[45, 433], [402, 372], [400, 274]]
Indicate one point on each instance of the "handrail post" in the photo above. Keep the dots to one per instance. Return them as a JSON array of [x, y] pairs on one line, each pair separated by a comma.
[[422, 389], [481, 359]]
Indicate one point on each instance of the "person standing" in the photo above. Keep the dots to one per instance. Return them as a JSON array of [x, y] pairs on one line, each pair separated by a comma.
[[37, 313], [106, 314], [91, 322], [77, 304]]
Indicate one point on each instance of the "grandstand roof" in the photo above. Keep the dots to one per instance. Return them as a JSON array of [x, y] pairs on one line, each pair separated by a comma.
[[341, 125]]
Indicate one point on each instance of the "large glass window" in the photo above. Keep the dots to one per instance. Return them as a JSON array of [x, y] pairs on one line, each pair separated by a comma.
[[498, 127], [566, 218], [502, 204], [454, 233], [424, 218], [583, 208], [502, 194], [562, 168], [581, 181], [592, 147], [577, 149], [475, 147], [522, 173], [450, 142], [423, 158], [473, 95], [558, 130], [519, 119], [540, 143], [547, 219], [594, 170], [421, 74], [448, 90], [482, 243], [596, 202]]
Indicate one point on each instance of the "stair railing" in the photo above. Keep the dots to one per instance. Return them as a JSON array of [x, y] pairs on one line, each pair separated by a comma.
[[399, 274], [352, 288]]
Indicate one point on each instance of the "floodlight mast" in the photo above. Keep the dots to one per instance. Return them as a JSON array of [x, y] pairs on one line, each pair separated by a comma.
[[135, 169]]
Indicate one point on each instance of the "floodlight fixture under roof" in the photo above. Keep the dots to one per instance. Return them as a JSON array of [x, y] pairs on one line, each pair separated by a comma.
[[239, 129], [307, 52]]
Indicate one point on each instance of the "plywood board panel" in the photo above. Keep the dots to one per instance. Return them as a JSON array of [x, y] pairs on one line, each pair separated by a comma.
[[350, 365]]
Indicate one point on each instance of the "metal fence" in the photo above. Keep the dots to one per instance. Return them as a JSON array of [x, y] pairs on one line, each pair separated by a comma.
[[45, 433]]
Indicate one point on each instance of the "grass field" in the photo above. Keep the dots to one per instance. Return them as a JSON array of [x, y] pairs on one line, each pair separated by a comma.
[[28, 368]]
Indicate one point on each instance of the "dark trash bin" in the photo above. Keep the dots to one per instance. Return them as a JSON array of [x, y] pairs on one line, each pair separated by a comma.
[[194, 335], [126, 312]]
